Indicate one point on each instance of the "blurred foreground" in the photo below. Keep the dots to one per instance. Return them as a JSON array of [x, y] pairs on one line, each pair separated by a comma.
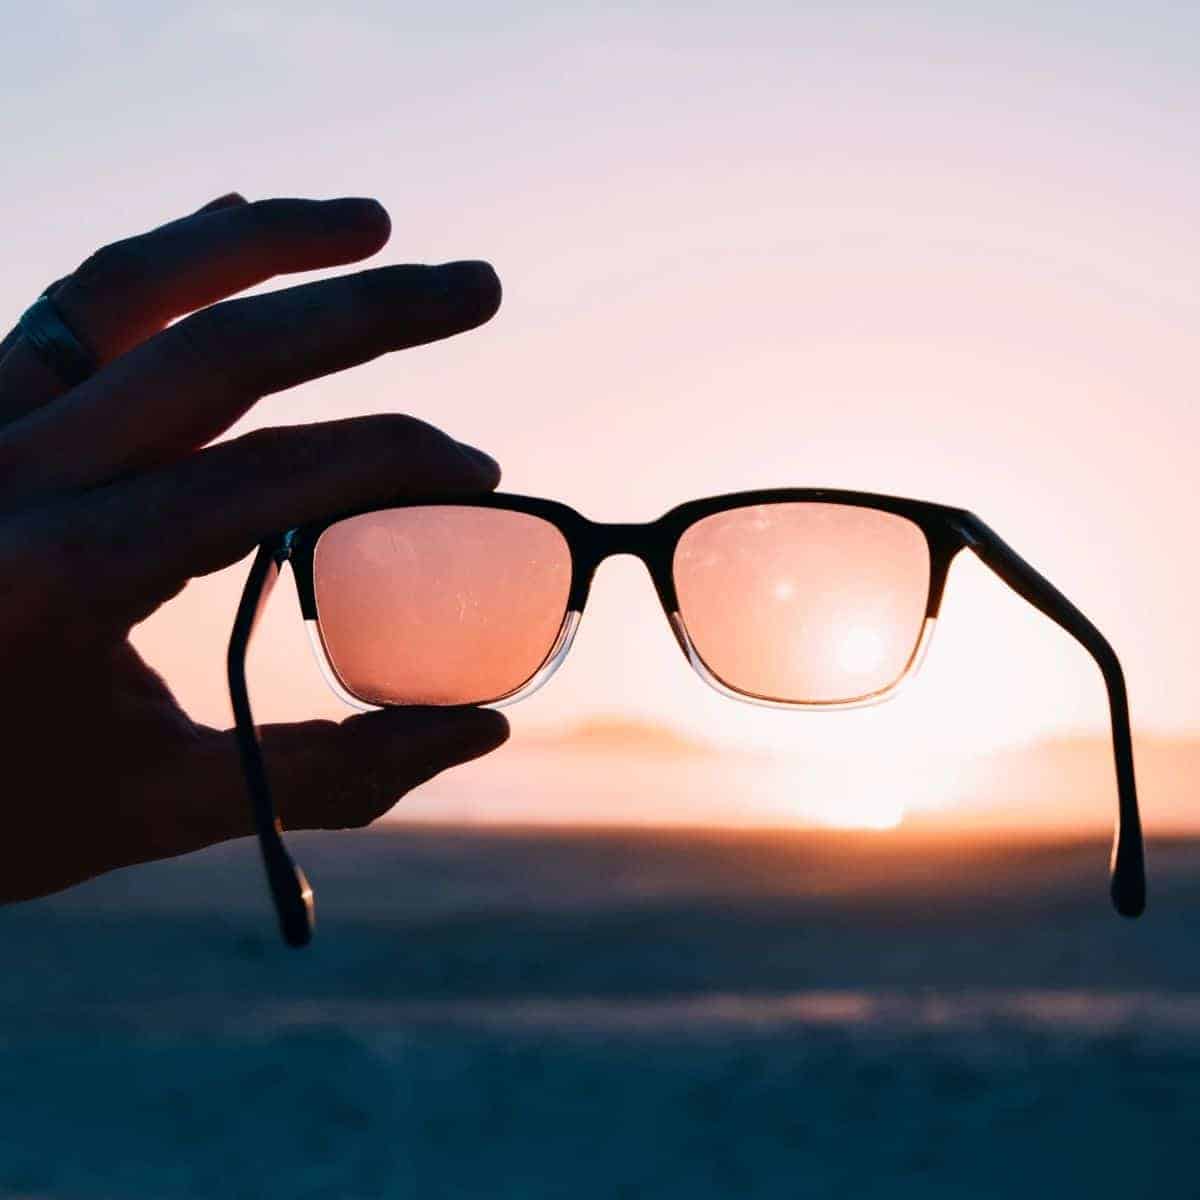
[[609, 1014]]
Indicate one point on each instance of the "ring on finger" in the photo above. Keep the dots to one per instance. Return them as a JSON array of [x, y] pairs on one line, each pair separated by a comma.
[[55, 343]]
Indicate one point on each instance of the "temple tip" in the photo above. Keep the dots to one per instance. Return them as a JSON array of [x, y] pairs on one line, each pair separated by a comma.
[[291, 892], [1128, 892], [297, 917]]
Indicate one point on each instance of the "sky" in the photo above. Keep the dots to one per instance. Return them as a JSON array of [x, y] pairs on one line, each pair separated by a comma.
[[941, 250]]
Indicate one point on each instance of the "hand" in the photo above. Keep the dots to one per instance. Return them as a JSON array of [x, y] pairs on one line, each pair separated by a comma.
[[109, 504]]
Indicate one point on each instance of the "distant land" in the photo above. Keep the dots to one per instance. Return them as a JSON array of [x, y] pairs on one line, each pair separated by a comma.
[[627, 735], [626, 771]]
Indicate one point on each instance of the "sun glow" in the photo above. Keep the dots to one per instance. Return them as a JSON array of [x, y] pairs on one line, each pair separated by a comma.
[[882, 815], [860, 649], [857, 793]]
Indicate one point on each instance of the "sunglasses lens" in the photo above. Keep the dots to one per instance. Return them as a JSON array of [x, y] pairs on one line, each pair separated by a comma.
[[804, 602], [440, 604]]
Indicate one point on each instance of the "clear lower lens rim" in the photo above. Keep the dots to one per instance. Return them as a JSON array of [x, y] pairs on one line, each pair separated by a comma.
[[869, 700]]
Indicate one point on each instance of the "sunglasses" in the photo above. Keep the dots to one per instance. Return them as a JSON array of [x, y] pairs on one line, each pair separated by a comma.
[[796, 598]]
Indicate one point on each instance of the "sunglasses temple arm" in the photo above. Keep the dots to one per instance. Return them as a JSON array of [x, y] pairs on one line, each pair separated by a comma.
[[289, 888], [1128, 884]]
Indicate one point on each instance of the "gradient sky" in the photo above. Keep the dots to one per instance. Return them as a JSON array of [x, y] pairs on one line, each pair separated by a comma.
[[942, 250]]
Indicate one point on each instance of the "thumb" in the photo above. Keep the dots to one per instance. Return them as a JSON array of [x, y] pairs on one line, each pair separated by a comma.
[[326, 775]]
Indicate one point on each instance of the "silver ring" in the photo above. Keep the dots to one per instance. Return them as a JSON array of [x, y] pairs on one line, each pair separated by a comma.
[[59, 348]]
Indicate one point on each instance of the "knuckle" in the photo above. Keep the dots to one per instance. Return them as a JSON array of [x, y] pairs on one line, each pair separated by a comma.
[[204, 329], [114, 267], [264, 216], [265, 454], [424, 452], [198, 346], [404, 432], [101, 287], [378, 445]]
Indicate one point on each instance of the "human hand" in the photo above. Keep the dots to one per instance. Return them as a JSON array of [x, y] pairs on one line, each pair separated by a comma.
[[110, 503]]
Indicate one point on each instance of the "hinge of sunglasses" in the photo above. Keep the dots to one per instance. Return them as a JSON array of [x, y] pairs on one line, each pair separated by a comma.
[[968, 535], [283, 551]]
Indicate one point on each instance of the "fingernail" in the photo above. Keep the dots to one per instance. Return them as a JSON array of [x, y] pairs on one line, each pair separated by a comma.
[[486, 463], [357, 212], [476, 730], [229, 200], [473, 285]]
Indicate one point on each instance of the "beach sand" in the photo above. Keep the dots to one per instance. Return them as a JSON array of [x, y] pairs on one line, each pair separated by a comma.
[[523, 1013]]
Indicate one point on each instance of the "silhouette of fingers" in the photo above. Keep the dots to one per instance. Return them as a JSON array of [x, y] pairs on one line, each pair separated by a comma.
[[131, 289], [186, 385], [129, 547], [15, 334]]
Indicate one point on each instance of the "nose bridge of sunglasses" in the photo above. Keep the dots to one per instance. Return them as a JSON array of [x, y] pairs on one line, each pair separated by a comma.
[[643, 542]]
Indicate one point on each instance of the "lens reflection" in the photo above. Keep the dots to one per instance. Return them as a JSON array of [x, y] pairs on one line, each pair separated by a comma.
[[440, 604], [803, 601]]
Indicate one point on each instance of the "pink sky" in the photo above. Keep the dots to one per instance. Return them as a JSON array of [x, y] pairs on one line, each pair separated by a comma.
[[914, 251]]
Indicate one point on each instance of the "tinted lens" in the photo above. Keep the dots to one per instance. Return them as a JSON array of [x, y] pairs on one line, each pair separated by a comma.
[[804, 602], [440, 604]]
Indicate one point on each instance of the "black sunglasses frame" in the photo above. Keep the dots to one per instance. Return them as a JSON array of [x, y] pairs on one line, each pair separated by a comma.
[[947, 532]]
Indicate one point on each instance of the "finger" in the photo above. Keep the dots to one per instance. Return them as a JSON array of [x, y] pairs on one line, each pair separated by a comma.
[[324, 775], [191, 382], [347, 775], [10, 340], [14, 334], [229, 200], [131, 546], [131, 289]]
